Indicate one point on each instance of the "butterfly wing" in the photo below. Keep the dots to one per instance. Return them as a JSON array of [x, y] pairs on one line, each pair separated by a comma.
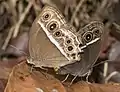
[[42, 51], [47, 40], [91, 36]]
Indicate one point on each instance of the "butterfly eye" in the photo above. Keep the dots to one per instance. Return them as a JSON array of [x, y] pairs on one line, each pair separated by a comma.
[[88, 36]]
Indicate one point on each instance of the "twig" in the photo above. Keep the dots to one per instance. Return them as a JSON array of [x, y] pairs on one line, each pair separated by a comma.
[[110, 76], [76, 10], [105, 69], [117, 26], [103, 5], [37, 7], [8, 38], [22, 17]]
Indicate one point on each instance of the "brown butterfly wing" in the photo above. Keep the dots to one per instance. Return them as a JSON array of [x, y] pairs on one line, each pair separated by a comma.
[[90, 52], [42, 51]]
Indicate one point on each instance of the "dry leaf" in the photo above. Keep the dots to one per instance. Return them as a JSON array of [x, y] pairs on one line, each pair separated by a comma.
[[22, 80]]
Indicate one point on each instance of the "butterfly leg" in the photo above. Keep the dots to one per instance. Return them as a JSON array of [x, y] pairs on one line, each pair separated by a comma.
[[31, 68], [73, 80], [88, 74], [65, 78]]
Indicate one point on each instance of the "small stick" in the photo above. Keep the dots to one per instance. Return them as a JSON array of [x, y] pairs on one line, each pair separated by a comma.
[[76, 10], [8, 38], [105, 69], [117, 26], [22, 17]]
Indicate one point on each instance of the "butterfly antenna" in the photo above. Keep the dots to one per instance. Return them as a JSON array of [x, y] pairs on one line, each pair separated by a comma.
[[21, 51], [99, 63]]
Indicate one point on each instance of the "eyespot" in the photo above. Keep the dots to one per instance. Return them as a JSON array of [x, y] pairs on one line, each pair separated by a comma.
[[97, 32], [46, 16], [70, 48], [52, 26], [80, 45], [68, 41], [88, 36], [57, 33], [73, 55]]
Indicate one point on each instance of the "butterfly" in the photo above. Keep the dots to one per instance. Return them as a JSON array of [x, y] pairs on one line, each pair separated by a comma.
[[92, 36], [54, 43]]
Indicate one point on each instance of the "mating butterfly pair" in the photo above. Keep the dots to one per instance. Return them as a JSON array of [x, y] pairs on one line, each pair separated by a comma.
[[55, 43]]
